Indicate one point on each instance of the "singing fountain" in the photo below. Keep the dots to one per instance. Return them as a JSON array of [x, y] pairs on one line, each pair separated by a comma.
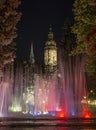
[[59, 94]]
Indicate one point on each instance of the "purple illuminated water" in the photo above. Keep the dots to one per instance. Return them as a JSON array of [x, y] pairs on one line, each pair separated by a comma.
[[58, 94], [73, 86]]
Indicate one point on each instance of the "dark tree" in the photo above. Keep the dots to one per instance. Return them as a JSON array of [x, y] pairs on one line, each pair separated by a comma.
[[85, 31], [9, 17]]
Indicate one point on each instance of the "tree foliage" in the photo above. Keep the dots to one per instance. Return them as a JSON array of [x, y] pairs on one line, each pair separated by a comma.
[[85, 31], [9, 17]]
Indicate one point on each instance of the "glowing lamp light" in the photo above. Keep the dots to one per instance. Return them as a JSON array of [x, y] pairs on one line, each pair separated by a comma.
[[87, 114], [34, 114], [61, 114], [73, 113], [53, 113]]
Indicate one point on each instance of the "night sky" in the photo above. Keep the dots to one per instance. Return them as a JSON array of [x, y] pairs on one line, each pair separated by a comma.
[[37, 15]]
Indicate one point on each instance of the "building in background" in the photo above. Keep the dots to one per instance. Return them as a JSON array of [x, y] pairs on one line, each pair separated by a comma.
[[50, 53]]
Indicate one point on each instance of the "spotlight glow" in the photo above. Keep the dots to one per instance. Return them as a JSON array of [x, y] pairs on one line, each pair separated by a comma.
[[87, 114], [61, 114]]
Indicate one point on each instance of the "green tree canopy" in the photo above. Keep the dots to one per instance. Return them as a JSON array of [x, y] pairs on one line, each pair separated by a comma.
[[85, 31]]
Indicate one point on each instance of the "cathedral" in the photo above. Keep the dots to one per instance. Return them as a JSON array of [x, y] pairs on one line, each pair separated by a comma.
[[50, 53]]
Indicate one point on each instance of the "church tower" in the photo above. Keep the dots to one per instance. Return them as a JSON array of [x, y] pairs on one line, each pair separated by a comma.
[[50, 52]]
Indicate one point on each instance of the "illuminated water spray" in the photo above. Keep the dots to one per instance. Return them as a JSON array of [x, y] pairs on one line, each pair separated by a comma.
[[72, 83], [58, 94], [27, 90], [6, 93]]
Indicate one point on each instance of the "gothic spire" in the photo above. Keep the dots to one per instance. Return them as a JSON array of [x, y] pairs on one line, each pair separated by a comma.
[[32, 60]]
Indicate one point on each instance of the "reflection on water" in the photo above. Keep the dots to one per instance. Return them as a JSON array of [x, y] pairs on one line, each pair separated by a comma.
[[45, 128]]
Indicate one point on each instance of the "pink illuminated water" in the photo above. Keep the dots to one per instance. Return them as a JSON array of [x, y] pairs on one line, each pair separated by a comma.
[[6, 84], [58, 94], [73, 86]]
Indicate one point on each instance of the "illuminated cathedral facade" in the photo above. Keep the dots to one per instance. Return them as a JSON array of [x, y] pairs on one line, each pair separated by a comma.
[[50, 52]]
